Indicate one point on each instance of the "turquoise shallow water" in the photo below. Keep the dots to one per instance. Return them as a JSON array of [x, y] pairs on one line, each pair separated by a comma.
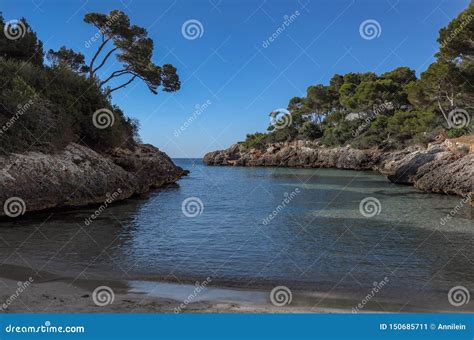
[[246, 235]]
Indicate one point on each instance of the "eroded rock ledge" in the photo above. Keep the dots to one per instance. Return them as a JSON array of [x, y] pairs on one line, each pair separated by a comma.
[[439, 168], [79, 176]]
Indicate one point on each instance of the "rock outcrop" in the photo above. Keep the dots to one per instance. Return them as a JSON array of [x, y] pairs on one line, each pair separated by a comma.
[[79, 176], [436, 168]]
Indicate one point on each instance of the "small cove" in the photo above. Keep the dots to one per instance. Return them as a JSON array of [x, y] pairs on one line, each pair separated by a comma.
[[317, 242]]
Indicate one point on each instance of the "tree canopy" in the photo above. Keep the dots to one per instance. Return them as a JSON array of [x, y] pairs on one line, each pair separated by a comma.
[[46, 106], [67, 57], [392, 109], [133, 48], [21, 44]]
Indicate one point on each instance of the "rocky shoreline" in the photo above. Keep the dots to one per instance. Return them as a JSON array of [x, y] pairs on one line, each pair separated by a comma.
[[79, 176], [443, 167]]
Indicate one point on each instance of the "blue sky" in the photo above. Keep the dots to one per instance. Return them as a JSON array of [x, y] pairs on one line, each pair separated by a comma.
[[230, 69]]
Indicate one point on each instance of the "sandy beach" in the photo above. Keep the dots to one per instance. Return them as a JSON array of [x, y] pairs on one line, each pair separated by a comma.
[[24, 291], [50, 293]]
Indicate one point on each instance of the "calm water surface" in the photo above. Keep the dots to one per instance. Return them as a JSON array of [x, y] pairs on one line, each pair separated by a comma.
[[317, 241]]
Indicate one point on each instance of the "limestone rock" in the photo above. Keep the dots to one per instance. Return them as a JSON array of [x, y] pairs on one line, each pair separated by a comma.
[[79, 176], [435, 168]]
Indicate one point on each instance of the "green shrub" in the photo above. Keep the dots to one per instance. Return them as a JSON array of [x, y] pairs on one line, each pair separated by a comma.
[[403, 125], [309, 130], [340, 134], [256, 140], [423, 138], [28, 48], [367, 141], [44, 109], [455, 133]]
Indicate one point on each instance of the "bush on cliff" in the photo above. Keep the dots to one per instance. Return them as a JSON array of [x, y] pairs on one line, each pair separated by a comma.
[[28, 48], [43, 107], [405, 125]]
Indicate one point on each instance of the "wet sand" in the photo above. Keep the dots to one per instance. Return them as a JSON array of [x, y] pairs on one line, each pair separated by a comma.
[[51, 293]]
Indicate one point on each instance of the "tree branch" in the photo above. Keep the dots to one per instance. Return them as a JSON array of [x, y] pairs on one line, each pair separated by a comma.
[[114, 74], [91, 66], [441, 107], [121, 86], [104, 60]]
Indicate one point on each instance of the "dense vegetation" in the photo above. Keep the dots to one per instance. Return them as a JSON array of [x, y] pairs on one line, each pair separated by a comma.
[[390, 110], [44, 107]]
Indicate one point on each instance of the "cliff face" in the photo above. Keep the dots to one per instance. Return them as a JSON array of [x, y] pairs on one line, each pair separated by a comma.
[[79, 176], [436, 168]]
